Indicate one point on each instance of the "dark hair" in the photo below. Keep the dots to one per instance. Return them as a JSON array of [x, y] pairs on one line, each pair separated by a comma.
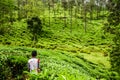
[[34, 53]]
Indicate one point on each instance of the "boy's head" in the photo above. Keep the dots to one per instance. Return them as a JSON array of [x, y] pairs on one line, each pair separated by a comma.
[[34, 53]]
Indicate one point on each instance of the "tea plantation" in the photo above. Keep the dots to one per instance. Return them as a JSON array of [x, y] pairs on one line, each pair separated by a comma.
[[63, 55]]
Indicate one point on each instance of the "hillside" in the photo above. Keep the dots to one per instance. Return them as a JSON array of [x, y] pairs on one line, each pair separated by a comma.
[[64, 54], [74, 39], [57, 64]]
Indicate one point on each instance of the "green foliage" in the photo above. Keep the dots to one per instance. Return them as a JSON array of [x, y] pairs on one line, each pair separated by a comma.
[[6, 8], [35, 26], [6, 11], [12, 66], [5, 72], [17, 65], [65, 50], [116, 51], [54, 65], [114, 20], [4, 29]]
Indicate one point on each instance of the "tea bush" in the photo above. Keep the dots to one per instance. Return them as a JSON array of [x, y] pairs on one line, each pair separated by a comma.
[[12, 66], [17, 65], [5, 72]]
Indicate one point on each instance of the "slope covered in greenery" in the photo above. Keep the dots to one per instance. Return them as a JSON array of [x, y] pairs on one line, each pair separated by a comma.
[[55, 64], [64, 54], [75, 39]]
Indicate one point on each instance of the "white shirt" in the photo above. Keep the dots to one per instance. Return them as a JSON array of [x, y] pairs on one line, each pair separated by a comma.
[[33, 64]]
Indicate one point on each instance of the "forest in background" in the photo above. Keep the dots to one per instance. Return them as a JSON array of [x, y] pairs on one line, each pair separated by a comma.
[[75, 39]]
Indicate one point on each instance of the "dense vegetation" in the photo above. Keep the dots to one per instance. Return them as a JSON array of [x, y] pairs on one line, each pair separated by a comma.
[[114, 20], [75, 40]]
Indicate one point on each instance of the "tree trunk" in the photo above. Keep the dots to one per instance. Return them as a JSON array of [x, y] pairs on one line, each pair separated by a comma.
[[91, 14], [54, 12], [19, 10], [70, 12], [85, 20], [49, 12], [65, 24], [97, 10]]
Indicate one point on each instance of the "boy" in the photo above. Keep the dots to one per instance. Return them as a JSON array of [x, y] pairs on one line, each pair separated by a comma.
[[33, 63]]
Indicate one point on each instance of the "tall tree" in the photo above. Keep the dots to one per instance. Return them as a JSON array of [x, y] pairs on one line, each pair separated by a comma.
[[6, 7], [84, 13], [65, 6], [70, 5], [97, 9], [18, 5], [49, 5], [35, 27], [92, 3]]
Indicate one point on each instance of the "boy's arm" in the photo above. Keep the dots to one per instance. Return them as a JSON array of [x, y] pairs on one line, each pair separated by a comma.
[[28, 65], [38, 65]]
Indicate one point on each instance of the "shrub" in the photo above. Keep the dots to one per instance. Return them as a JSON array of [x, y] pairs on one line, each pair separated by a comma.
[[4, 29], [5, 73], [17, 65]]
